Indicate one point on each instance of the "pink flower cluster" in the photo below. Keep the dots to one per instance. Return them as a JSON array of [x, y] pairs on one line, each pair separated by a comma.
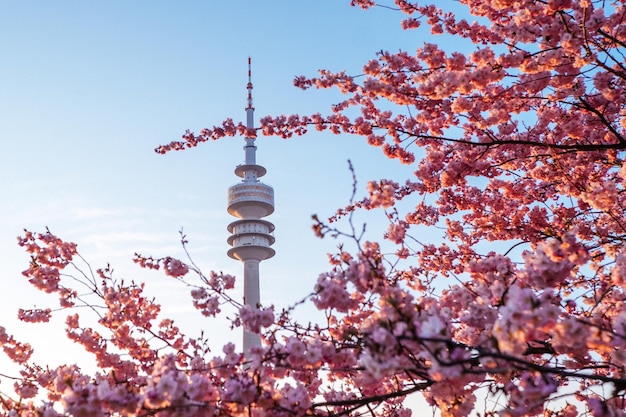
[[208, 304], [254, 319], [174, 267]]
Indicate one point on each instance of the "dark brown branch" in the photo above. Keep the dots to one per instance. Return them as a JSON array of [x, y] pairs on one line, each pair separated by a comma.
[[558, 146], [376, 398]]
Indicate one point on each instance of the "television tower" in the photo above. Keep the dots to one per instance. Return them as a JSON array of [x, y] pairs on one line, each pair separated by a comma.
[[251, 237]]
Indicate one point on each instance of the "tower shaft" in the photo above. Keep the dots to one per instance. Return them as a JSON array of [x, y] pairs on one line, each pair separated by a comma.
[[252, 297]]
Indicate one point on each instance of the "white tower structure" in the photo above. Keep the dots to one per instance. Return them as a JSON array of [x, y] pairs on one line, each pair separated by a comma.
[[251, 237]]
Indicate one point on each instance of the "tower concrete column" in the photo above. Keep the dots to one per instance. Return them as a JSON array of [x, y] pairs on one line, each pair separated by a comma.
[[251, 296]]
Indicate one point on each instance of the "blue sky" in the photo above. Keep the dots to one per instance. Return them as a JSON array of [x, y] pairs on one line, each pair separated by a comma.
[[89, 89]]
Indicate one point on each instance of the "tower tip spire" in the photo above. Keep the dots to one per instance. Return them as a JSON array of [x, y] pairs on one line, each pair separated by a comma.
[[250, 107]]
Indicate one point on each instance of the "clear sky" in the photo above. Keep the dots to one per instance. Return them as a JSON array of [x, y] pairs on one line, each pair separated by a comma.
[[89, 89]]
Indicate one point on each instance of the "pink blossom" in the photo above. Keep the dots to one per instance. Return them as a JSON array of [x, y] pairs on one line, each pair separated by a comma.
[[254, 319], [34, 315], [241, 391], [174, 267]]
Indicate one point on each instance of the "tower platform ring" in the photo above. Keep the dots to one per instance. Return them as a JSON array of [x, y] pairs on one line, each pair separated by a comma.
[[269, 225], [243, 253], [240, 170], [271, 239]]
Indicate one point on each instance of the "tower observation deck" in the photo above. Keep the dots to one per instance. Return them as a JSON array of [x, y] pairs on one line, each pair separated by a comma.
[[250, 200]]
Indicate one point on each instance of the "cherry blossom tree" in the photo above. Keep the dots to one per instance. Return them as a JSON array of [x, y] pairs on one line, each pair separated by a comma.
[[517, 143]]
